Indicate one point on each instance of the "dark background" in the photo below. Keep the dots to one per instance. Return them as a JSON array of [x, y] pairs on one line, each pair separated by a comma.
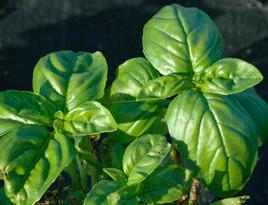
[[32, 28]]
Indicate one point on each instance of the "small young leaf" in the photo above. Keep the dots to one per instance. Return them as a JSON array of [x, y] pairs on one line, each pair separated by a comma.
[[100, 191], [180, 39], [31, 159], [216, 135], [229, 76], [239, 200], [143, 156], [25, 107], [69, 79], [116, 174], [165, 86], [86, 119], [165, 185]]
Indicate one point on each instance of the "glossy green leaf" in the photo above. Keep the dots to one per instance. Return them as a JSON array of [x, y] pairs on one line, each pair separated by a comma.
[[86, 119], [180, 39], [165, 86], [100, 191], [165, 185], [25, 107], [133, 117], [240, 200], [217, 136], [228, 76], [69, 79], [257, 109], [31, 159], [143, 156], [131, 76], [116, 174]]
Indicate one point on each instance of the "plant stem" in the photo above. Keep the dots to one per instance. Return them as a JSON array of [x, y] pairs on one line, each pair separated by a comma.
[[96, 168], [175, 155], [194, 193]]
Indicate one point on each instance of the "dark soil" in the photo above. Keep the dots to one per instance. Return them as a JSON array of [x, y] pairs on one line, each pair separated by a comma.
[[30, 29]]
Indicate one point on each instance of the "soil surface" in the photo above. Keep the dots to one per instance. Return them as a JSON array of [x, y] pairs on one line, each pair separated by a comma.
[[31, 28]]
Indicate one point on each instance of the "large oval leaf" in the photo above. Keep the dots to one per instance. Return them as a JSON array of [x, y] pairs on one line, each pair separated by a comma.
[[215, 134], [229, 76], [133, 117], [180, 39], [86, 119], [143, 156], [25, 107], [257, 109], [70, 79], [165, 86], [31, 159]]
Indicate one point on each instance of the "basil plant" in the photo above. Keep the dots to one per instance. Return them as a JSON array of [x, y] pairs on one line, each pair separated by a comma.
[[181, 116]]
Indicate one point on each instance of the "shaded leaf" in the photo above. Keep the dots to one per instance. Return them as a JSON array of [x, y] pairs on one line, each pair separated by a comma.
[[100, 191], [25, 107], [165, 185], [31, 159], [232, 201], [257, 109]]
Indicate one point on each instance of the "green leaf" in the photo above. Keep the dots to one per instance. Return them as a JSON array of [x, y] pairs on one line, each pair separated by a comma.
[[143, 156], [228, 76], [116, 174], [165, 185], [69, 79], [25, 107], [111, 153], [3, 198], [86, 119], [131, 76], [257, 109], [100, 191], [133, 117], [165, 86], [239, 200], [31, 159], [180, 39], [217, 136]]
